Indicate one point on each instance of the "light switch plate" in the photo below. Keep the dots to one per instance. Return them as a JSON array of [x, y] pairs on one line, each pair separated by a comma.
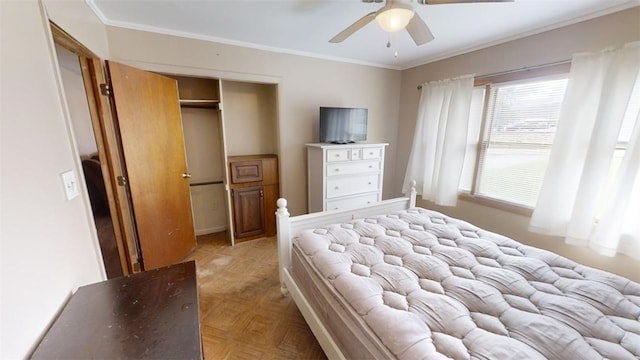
[[70, 184]]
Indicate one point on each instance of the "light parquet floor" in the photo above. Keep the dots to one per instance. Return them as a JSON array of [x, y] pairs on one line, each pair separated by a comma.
[[242, 312]]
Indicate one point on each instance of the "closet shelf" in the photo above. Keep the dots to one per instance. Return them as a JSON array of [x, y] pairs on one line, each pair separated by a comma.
[[211, 104]]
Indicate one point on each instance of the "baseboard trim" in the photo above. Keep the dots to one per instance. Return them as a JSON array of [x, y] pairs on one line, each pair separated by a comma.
[[211, 230]]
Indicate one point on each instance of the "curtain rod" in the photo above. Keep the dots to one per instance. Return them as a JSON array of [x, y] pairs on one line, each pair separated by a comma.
[[526, 68]]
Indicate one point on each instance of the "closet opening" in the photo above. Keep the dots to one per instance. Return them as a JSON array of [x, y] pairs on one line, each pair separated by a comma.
[[205, 151]]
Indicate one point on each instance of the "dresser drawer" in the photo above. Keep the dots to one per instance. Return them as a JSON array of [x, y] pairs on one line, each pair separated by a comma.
[[338, 155], [352, 202], [352, 185], [355, 167], [371, 153]]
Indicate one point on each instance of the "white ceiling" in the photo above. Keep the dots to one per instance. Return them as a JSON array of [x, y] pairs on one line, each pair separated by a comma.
[[304, 27]]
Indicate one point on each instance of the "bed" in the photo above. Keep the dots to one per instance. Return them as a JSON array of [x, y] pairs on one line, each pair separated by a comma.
[[390, 280]]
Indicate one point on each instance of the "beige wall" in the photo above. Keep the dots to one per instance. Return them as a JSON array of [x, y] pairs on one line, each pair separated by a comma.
[[593, 35], [48, 245], [304, 84], [78, 20], [250, 118]]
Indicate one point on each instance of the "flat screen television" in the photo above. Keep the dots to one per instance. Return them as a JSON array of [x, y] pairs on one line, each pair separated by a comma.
[[341, 125]]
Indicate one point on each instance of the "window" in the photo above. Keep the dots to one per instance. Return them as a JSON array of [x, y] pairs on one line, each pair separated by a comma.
[[513, 126]]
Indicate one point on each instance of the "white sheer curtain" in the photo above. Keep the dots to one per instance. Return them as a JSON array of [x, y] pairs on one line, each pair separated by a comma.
[[574, 189], [440, 139]]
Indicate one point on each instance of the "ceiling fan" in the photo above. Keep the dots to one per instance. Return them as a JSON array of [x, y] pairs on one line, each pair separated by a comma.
[[396, 15]]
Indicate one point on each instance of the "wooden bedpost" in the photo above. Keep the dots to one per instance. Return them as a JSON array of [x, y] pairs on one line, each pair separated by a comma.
[[284, 241]]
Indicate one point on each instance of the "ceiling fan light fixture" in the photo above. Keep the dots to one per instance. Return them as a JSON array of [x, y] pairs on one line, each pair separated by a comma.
[[394, 19]]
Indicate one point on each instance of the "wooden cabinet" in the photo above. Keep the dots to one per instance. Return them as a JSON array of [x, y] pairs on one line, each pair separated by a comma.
[[248, 211], [344, 176], [254, 189]]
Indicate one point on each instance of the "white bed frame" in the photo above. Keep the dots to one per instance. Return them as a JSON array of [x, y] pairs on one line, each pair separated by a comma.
[[288, 227]]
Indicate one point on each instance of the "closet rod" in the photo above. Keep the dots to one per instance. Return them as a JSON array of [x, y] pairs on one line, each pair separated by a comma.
[[206, 183], [526, 68]]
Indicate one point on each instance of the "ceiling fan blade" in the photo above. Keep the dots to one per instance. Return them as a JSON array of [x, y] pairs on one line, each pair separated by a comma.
[[418, 30], [353, 28], [438, 2]]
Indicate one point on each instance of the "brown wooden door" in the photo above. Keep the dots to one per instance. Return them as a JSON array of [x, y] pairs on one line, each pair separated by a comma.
[[248, 211], [150, 127]]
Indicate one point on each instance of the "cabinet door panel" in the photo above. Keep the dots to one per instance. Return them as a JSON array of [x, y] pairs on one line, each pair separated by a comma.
[[246, 171], [248, 211]]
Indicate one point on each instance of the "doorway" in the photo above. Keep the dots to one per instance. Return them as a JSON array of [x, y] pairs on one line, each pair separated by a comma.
[[73, 83], [253, 130], [95, 131]]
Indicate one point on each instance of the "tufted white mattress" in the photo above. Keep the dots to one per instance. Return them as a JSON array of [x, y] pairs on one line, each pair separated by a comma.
[[433, 287]]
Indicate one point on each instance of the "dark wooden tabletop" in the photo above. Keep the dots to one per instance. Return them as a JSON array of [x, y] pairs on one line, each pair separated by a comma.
[[152, 314]]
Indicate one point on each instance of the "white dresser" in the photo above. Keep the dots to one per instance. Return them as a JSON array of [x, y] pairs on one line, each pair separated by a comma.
[[344, 176]]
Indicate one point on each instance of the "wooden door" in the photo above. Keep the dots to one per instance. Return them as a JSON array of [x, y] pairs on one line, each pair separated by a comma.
[[148, 120], [248, 211]]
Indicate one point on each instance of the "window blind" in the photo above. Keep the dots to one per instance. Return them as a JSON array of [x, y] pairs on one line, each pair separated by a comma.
[[521, 119]]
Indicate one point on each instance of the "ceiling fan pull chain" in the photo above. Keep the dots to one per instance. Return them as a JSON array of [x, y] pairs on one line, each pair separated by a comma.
[[395, 52]]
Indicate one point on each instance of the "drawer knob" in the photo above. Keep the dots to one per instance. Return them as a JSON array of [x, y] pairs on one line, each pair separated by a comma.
[[337, 169], [337, 155], [369, 182], [370, 153], [336, 188], [370, 166]]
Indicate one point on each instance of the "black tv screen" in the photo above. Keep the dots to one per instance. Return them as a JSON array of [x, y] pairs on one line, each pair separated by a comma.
[[343, 125]]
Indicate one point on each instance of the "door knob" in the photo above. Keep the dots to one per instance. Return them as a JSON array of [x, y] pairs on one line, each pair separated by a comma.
[[186, 175]]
